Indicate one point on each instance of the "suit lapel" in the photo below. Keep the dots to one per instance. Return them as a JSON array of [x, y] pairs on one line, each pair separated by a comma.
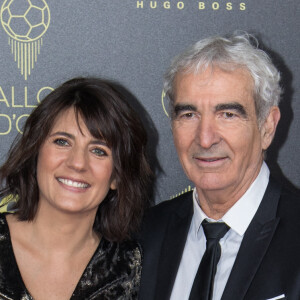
[[254, 245], [173, 245]]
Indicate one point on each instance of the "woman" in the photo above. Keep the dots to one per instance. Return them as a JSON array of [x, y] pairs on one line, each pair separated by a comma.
[[80, 176]]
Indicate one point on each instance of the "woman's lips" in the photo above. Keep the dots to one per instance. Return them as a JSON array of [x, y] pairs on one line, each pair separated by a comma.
[[73, 183]]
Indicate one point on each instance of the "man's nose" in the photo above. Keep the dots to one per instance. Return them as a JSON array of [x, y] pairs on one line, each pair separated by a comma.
[[207, 132], [77, 159]]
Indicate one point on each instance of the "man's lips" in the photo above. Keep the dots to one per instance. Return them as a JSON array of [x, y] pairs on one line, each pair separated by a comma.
[[73, 183], [210, 159]]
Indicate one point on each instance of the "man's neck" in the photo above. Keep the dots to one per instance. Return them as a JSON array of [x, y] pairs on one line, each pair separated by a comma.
[[216, 203]]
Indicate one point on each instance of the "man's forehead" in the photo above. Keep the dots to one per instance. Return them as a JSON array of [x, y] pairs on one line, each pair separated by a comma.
[[234, 83], [208, 74]]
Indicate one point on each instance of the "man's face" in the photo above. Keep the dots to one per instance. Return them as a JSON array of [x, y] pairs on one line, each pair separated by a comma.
[[216, 132]]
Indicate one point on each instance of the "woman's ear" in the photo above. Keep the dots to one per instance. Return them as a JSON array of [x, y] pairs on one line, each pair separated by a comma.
[[113, 184]]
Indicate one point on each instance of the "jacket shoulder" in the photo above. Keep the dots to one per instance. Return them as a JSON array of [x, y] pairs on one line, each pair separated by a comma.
[[157, 217], [289, 205], [165, 208]]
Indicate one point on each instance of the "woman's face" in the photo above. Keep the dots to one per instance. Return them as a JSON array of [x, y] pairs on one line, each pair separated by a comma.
[[74, 169]]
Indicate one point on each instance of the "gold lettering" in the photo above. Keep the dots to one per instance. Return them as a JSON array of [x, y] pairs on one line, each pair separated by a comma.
[[26, 98], [242, 6], [215, 6], [153, 5], [167, 4], [13, 98], [201, 5], [41, 90], [9, 124], [229, 6], [3, 99], [139, 4], [18, 120], [180, 5]]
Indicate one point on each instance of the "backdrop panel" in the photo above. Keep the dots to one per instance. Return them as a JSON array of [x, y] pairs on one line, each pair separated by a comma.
[[45, 42]]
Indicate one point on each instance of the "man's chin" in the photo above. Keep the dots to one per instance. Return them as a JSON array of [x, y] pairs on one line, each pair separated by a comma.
[[212, 183]]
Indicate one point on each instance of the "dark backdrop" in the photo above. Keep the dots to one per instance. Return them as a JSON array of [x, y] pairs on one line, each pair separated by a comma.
[[44, 43]]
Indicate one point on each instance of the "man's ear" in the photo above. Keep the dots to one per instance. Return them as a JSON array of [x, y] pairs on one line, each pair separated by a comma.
[[268, 128]]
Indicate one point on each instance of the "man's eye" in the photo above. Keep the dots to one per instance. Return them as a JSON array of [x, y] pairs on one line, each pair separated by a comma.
[[61, 142], [229, 115], [99, 152], [188, 115]]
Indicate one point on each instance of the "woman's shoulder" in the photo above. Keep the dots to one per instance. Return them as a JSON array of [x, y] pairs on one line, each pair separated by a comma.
[[123, 259], [113, 273], [132, 250], [128, 251], [3, 226], [129, 246], [2, 218]]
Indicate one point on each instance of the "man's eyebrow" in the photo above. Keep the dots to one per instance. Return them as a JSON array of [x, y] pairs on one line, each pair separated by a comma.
[[232, 106], [183, 107]]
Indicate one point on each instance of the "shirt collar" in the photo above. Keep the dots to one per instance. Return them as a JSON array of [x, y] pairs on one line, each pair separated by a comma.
[[239, 216]]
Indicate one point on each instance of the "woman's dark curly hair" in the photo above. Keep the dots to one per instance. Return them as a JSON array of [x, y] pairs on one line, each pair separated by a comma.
[[107, 116]]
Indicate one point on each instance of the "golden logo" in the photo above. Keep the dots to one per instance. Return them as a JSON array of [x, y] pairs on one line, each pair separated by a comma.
[[186, 190], [25, 22], [199, 5]]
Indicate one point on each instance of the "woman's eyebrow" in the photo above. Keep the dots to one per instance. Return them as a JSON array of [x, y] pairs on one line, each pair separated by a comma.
[[63, 133], [71, 136], [98, 142]]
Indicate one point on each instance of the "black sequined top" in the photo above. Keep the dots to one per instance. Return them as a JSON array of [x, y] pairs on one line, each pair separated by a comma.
[[113, 272]]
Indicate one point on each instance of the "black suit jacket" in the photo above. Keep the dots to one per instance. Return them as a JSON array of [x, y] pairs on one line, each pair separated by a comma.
[[267, 264]]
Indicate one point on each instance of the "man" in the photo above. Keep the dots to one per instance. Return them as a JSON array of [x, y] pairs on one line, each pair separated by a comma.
[[224, 95]]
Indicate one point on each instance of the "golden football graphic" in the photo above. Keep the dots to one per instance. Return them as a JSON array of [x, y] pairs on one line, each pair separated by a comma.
[[25, 22]]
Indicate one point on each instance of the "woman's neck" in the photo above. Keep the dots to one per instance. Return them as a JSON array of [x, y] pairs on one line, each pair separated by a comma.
[[54, 231]]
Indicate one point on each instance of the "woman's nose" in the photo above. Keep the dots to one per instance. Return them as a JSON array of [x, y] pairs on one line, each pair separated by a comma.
[[77, 159]]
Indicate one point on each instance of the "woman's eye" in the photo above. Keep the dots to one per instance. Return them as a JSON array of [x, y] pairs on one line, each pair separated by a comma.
[[99, 152], [61, 142]]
